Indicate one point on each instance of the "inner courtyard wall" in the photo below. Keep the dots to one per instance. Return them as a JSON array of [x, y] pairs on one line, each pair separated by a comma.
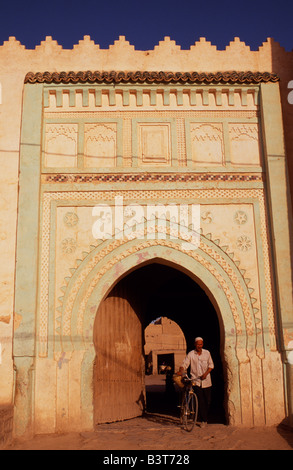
[[161, 337]]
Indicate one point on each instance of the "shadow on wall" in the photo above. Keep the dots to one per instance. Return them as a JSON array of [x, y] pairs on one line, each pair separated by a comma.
[[282, 65], [286, 431]]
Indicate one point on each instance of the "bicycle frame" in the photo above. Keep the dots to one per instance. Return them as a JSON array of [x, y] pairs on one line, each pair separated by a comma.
[[189, 406]]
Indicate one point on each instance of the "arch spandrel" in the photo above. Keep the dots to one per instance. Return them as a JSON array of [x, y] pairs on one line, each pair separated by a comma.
[[105, 264]]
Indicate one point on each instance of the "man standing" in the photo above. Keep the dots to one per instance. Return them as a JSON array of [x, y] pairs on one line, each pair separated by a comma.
[[201, 364]]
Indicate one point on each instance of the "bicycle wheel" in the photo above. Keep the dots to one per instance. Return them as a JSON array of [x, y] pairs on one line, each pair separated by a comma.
[[189, 412], [182, 408]]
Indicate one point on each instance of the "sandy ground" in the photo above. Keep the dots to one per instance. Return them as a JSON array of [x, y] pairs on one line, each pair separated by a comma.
[[162, 432], [155, 432]]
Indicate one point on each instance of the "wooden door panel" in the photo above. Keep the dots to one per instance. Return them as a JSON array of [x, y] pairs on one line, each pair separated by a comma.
[[118, 372]]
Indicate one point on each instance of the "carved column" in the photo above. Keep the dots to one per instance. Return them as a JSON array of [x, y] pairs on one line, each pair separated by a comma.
[[23, 396]]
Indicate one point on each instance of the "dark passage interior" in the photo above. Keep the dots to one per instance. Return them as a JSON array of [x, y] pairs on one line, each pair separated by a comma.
[[156, 290]]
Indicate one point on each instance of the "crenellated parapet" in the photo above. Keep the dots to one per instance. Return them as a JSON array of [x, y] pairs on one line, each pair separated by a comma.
[[202, 55]]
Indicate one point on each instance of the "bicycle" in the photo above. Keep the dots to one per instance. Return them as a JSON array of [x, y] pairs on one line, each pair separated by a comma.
[[189, 405]]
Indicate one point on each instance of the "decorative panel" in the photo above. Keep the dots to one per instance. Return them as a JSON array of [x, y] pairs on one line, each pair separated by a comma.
[[244, 144], [100, 145], [207, 143], [61, 145], [154, 144]]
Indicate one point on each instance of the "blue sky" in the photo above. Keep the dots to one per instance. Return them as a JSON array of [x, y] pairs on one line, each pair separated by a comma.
[[144, 23]]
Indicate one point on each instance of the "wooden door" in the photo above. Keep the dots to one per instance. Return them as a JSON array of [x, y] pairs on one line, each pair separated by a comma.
[[119, 391]]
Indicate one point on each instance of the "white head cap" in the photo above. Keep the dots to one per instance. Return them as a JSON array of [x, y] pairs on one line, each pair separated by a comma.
[[198, 338]]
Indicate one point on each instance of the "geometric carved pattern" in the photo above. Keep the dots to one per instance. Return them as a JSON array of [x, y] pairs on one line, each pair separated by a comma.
[[100, 145], [68, 245], [207, 247], [244, 144], [244, 243], [152, 177], [240, 217], [70, 219], [207, 143], [148, 195], [61, 145]]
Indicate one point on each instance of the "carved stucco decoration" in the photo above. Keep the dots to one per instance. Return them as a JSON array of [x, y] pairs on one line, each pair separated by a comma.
[[214, 258], [254, 315]]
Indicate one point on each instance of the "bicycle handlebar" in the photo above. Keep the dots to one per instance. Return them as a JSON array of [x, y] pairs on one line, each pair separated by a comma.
[[186, 379]]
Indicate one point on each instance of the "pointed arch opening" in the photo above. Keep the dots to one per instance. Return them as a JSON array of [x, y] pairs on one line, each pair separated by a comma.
[[154, 289]]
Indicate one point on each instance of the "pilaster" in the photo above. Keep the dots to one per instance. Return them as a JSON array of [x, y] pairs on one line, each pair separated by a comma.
[[26, 277], [23, 400], [278, 196]]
